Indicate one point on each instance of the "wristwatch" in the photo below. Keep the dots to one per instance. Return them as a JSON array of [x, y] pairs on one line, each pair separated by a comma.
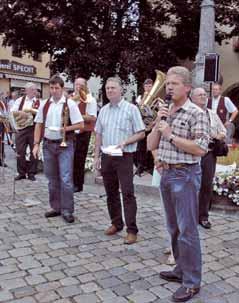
[[230, 120], [172, 136]]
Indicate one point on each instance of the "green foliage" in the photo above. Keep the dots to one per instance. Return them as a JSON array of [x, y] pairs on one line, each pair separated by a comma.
[[103, 37]]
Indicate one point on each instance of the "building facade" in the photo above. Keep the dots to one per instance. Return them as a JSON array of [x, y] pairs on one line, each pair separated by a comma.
[[16, 69], [229, 68]]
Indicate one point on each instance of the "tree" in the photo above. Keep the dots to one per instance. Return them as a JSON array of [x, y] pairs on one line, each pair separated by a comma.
[[100, 37]]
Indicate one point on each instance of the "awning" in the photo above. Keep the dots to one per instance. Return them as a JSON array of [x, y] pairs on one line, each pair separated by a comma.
[[25, 78], [22, 83]]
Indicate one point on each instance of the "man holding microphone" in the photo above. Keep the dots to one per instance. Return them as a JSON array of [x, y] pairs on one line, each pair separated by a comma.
[[181, 138]]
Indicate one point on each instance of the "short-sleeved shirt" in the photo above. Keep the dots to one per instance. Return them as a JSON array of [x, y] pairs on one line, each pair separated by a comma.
[[91, 105], [188, 122], [118, 122], [54, 117], [230, 107]]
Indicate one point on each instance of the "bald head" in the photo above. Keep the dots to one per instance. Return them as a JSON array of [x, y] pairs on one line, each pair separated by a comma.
[[79, 84], [199, 97]]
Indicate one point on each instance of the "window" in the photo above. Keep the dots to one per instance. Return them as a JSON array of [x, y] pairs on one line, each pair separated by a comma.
[[16, 51], [37, 56]]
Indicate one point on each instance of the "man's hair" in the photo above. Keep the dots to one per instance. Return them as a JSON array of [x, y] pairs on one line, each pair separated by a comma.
[[148, 81], [115, 79], [182, 72], [56, 80], [217, 83], [30, 85]]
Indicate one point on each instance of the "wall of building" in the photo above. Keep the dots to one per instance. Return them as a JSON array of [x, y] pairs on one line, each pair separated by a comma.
[[15, 71], [229, 68]]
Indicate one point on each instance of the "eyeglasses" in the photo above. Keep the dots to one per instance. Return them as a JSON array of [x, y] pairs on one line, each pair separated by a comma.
[[202, 95]]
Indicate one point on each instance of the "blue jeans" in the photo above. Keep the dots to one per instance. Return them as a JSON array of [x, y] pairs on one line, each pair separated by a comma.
[[58, 168], [180, 189]]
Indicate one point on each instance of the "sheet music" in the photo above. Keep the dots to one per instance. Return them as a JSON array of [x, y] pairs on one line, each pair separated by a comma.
[[112, 150]]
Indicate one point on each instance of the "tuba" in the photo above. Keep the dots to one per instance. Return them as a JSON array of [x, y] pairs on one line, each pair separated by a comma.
[[82, 95], [149, 103]]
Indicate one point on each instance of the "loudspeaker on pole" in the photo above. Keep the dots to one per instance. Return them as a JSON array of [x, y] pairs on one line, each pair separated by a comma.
[[211, 67]]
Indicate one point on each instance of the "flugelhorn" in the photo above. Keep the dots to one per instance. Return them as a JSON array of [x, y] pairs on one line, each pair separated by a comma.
[[65, 120]]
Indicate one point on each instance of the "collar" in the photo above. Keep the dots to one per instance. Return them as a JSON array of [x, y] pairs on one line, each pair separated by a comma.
[[119, 104], [28, 99], [217, 98], [62, 100], [185, 106]]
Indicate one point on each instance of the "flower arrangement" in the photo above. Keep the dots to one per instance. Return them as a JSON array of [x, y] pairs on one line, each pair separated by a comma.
[[89, 163], [227, 185]]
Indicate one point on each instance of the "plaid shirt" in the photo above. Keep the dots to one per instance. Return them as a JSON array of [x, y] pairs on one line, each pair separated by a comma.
[[188, 122]]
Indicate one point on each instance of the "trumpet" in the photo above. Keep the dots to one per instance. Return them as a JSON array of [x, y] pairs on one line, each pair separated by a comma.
[[65, 119]]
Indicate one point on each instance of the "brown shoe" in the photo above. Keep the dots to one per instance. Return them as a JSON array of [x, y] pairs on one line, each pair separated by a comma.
[[112, 230], [130, 239]]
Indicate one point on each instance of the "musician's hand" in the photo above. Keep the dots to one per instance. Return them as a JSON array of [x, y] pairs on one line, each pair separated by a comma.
[[164, 129], [97, 163], [36, 150]]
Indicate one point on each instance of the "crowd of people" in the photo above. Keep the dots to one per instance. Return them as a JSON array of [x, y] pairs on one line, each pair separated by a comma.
[[181, 140]]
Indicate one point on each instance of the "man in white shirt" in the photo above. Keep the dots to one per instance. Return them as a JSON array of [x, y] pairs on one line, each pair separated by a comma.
[[56, 122], [224, 108], [24, 110], [88, 108]]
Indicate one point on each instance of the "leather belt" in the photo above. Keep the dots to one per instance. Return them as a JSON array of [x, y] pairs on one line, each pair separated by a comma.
[[52, 141], [176, 165]]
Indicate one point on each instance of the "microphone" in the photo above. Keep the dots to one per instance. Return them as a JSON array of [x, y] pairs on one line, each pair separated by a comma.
[[167, 101]]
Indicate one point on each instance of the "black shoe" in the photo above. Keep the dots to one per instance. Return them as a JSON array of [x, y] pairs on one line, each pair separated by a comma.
[[20, 177], [69, 218], [77, 189], [32, 178], [205, 224], [52, 213], [183, 294], [170, 276], [4, 165]]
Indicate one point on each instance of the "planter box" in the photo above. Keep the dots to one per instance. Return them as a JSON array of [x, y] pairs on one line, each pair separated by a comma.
[[223, 203]]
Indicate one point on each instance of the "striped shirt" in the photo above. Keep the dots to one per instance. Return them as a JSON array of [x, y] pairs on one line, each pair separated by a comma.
[[118, 122], [188, 122]]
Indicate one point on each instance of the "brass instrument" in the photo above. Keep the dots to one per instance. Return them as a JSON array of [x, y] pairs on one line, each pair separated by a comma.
[[23, 121], [65, 119], [150, 101], [81, 96]]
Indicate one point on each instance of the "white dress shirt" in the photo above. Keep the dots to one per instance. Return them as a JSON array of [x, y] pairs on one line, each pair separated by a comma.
[[53, 121], [230, 107], [27, 104]]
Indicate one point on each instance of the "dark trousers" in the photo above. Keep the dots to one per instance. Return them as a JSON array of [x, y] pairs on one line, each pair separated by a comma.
[[143, 158], [24, 138], [208, 166], [81, 148], [119, 171]]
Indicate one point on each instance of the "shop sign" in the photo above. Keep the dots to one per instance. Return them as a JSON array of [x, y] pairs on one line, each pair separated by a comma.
[[17, 68]]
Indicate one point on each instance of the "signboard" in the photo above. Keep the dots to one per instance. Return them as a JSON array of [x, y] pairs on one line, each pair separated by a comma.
[[17, 68]]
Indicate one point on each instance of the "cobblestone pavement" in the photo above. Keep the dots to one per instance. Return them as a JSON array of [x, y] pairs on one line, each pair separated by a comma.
[[46, 260]]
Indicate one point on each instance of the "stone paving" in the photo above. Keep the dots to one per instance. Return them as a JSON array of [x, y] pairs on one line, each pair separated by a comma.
[[46, 260]]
